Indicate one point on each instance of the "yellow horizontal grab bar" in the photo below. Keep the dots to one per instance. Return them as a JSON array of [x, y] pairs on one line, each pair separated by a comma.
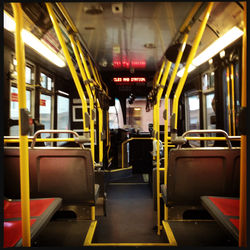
[[40, 140], [212, 138], [233, 138]]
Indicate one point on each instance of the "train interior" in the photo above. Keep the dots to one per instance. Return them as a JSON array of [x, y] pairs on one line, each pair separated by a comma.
[[134, 124]]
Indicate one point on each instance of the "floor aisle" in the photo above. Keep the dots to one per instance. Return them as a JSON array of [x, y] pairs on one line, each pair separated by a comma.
[[130, 215]]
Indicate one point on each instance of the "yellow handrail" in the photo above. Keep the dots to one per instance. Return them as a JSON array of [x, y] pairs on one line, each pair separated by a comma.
[[243, 151], [155, 85], [169, 88], [189, 60], [90, 95], [229, 102], [232, 94], [70, 64], [190, 16], [157, 136], [24, 154], [67, 17], [231, 138], [100, 111]]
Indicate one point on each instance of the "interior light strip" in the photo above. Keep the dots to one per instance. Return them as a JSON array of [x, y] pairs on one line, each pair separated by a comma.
[[221, 43], [33, 42]]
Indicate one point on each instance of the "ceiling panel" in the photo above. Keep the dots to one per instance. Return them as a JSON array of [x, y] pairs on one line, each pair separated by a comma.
[[123, 33]]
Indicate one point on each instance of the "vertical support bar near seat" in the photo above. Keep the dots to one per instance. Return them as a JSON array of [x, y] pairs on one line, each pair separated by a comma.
[[243, 149], [23, 144], [232, 94], [168, 91], [157, 137], [229, 102], [90, 95], [189, 61]]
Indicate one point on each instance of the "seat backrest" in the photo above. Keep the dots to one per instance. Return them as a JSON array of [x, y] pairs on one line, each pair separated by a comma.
[[63, 172], [195, 172]]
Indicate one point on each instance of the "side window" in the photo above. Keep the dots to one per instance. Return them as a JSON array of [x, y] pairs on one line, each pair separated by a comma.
[[192, 113], [208, 104], [115, 116], [63, 120], [14, 107], [46, 104]]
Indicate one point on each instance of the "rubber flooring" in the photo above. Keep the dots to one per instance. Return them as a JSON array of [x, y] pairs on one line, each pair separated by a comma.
[[130, 216]]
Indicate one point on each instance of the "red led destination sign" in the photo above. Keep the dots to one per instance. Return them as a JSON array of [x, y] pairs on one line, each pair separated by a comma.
[[129, 79]]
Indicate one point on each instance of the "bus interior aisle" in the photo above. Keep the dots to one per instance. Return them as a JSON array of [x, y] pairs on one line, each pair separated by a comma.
[[125, 124], [130, 221]]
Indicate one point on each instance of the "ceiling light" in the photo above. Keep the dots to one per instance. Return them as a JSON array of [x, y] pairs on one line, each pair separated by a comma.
[[9, 23], [214, 48], [210, 61], [181, 72], [34, 42]]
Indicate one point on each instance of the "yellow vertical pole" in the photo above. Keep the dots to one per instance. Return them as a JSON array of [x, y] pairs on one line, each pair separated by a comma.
[[157, 137], [23, 144], [168, 91], [70, 64], [229, 102], [243, 150], [100, 130], [100, 113], [91, 102], [189, 60], [190, 16], [232, 94], [155, 85]]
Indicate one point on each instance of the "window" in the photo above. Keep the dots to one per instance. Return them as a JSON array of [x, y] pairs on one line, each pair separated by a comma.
[[193, 115], [46, 82], [63, 122], [208, 81], [14, 108], [28, 75], [115, 116], [45, 114], [208, 115]]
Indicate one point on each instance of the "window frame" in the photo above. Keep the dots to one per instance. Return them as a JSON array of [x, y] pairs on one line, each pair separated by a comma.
[[29, 86]]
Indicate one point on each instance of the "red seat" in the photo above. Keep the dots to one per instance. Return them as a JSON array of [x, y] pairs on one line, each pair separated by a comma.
[[41, 211], [13, 232], [229, 207], [12, 209]]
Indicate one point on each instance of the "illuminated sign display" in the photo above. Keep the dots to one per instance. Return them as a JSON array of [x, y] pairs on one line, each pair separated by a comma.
[[129, 79]]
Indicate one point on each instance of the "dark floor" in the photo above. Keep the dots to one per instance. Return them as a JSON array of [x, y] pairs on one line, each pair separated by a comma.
[[131, 219], [130, 216], [63, 233]]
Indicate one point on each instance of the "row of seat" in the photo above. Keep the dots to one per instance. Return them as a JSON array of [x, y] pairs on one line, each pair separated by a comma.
[[54, 172], [202, 172], [67, 173]]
